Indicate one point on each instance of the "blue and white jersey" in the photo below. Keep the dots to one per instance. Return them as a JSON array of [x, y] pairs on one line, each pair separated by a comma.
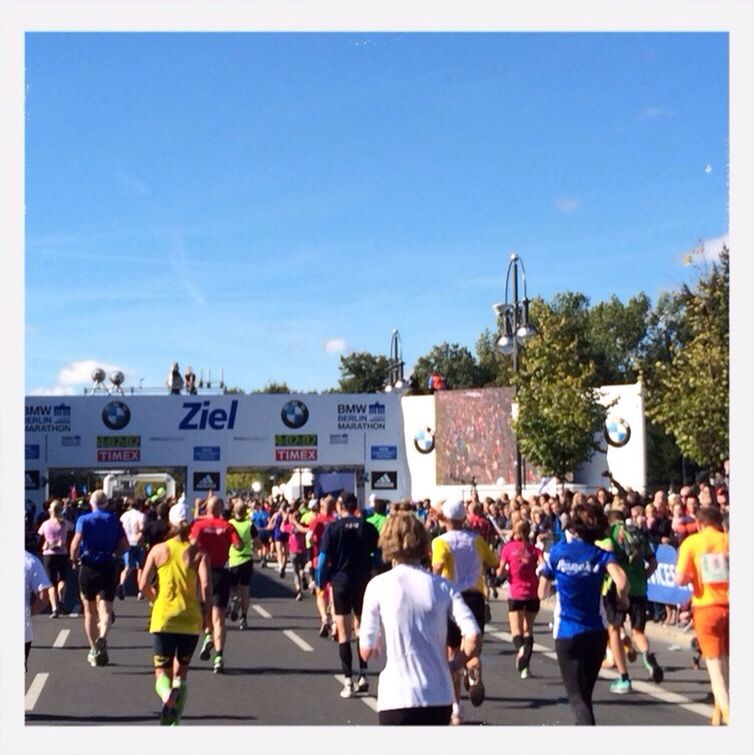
[[578, 569]]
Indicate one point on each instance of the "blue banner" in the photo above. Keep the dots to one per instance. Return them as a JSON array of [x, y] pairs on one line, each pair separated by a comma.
[[384, 453], [31, 451], [206, 453], [661, 586]]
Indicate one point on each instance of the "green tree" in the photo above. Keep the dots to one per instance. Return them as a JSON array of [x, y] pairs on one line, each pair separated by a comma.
[[455, 363], [559, 409], [616, 333], [494, 369], [273, 386], [689, 395], [362, 372]]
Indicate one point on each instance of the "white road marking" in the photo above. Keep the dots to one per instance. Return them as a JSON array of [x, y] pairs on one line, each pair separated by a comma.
[[261, 611], [368, 700], [647, 688], [34, 691], [296, 640], [61, 638]]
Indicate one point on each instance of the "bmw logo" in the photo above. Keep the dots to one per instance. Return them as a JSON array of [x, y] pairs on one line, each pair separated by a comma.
[[617, 432], [424, 441], [294, 414], [116, 415]]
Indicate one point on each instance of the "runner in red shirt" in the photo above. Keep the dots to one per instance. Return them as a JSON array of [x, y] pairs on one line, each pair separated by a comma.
[[316, 528], [215, 536]]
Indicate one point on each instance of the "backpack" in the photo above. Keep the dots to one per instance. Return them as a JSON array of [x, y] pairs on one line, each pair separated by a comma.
[[632, 541]]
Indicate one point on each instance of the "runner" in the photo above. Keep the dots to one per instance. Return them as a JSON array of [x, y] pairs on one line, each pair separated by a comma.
[[461, 557], [215, 536], [577, 567], [133, 521], [297, 547], [634, 555], [36, 588], [261, 517], [345, 561], [280, 536], [241, 563], [322, 592], [406, 611], [53, 534], [176, 620], [519, 559], [703, 564], [99, 540]]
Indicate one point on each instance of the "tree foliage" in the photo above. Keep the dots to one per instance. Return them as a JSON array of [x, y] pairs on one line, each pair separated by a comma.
[[690, 391], [454, 362], [559, 411], [274, 387], [363, 372]]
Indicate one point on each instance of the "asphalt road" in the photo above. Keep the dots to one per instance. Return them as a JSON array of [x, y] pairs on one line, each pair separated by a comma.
[[280, 672]]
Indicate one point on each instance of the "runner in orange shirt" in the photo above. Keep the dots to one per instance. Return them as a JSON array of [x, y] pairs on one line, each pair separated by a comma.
[[703, 564]]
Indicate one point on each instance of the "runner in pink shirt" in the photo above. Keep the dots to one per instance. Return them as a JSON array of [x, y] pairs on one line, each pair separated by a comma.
[[519, 560]]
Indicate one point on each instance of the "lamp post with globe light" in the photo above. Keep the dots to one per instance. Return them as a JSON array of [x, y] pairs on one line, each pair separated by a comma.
[[516, 333], [395, 379]]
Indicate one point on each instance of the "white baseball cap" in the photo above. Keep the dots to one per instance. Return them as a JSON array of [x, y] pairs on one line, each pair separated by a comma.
[[454, 510], [179, 512]]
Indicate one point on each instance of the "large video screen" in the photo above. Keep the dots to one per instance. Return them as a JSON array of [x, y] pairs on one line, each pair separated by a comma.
[[474, 439]]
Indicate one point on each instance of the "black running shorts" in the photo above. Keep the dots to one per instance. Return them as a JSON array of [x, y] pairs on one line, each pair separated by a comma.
[[529, 606], [241, 574], [168, 645], [475, 601], [637, 611], [220, 587], [432, 715], [56, 565], [97, 579], [348, 594]]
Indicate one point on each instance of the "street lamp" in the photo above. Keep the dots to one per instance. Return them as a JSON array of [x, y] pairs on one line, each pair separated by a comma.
[[395, 379], [516, 331]]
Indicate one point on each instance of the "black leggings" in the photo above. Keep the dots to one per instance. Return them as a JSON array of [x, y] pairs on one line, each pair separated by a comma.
[[433, 715], [580, 659]]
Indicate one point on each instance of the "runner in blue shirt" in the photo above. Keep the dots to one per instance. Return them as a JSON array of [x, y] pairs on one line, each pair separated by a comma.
[[579, 626], [98, 540]]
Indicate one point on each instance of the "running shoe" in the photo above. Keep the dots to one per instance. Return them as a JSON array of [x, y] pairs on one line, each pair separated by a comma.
[[324, 630], [348, 690], [100, 648], [362, 685], [520, 661], [524, 673], [476, 686], [235, 609], [54, 613], [487, 613], [121, 592], [169, 712], [656, 674], [112, 617], [621, 686], [243, 624], [140, 596], [282, 572], [91, 658], [456, 717], [218, 667], [206, 647], [263, 563], [299, 595]]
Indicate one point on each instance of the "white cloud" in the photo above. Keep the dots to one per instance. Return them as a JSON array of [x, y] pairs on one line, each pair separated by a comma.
[[80, 372], [58, 390], [653, 113], [566, 204], [335, 345]]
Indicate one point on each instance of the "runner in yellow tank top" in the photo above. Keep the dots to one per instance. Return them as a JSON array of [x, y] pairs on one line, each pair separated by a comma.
[[183, 581]]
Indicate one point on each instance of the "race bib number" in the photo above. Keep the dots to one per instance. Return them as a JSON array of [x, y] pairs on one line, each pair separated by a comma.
[[714, 567]]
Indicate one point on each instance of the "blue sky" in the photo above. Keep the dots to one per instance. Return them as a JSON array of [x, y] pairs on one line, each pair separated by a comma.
[[262, 203]]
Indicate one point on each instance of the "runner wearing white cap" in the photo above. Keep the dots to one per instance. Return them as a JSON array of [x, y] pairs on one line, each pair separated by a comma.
[[462, 556]]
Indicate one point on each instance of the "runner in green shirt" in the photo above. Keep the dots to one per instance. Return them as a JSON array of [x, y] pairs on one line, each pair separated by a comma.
[[241, 562]]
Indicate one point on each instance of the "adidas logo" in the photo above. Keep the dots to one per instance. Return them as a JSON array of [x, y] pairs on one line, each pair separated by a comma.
[[206, 482], [384, 481]]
